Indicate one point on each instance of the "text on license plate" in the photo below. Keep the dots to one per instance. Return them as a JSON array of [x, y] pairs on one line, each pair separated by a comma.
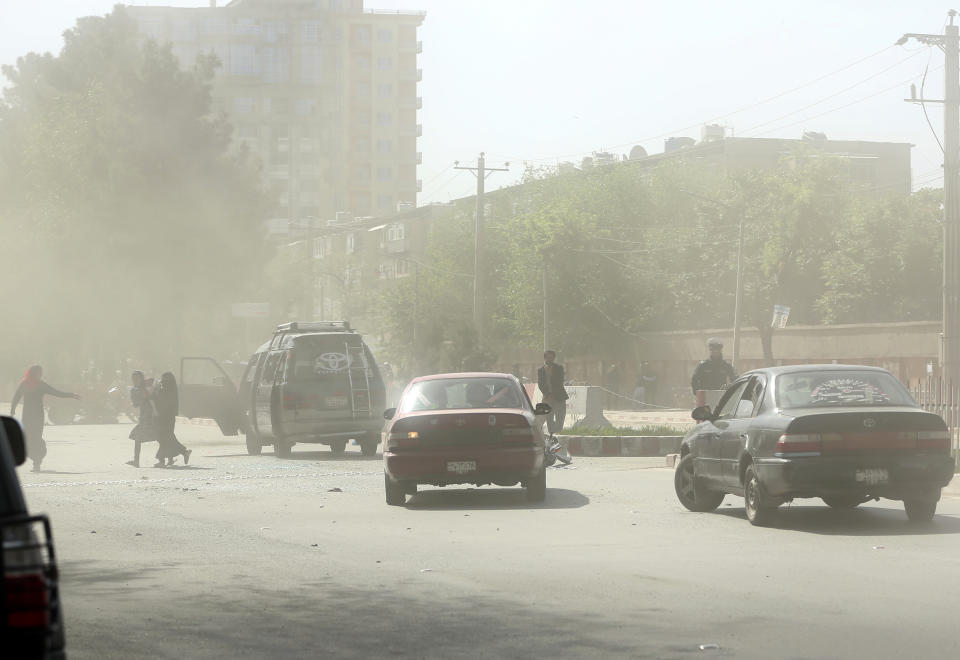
[[335, 402], [461, 467], [873, 476]]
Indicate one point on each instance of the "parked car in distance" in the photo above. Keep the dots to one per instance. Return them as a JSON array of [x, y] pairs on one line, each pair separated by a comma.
[[464, 428], [309, 383], [31, 619], [843, 433]]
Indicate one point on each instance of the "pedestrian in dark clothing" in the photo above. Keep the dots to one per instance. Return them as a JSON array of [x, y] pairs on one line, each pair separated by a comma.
[[141, 396], [714, 373], [550, 381], [168, 405], [31, 390]]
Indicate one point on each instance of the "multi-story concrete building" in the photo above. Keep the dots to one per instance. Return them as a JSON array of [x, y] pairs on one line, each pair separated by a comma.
[[323, 91]]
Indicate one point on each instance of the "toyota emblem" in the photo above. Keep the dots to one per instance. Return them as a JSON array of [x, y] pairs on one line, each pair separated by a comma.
[[328, 363]]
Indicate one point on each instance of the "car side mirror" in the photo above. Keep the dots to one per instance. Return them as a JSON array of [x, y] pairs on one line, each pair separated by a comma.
[[389, 413], [702, 413], [542, 409], [11, 429]]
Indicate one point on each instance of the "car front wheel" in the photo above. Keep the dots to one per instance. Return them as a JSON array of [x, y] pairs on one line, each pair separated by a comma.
[[282, 449], [396, 493], [691, 494], [254, 448], [920, 510], [758, 509], [368, 445], [338, 446], [537, 487]]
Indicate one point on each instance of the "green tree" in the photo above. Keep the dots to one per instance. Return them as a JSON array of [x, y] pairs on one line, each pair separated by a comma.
[[134, 222]]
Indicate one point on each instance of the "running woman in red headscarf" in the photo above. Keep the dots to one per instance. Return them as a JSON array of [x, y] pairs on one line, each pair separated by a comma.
[[31, 389]]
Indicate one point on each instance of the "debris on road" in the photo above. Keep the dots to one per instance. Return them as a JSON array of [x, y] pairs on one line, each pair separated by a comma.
[[709, 647]]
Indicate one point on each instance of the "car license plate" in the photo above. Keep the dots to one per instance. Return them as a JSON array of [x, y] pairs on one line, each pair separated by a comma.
[[335, 402], [461, 467], [873, 476]]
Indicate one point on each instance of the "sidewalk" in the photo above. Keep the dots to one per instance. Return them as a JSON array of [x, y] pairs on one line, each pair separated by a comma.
[[676, 417]]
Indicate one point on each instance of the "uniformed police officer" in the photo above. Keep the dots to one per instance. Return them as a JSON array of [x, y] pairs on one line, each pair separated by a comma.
[[714, 373]]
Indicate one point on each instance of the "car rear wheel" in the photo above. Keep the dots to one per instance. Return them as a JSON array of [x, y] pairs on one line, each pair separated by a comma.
[[282, 449], [691, 494], [396, 492], [758, 509], [537, 487], [920, 510], [843, 501], [338, 446], [254, 448], [368, 446]]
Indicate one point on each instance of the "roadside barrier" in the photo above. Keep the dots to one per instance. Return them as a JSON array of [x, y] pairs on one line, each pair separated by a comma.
[[624, 445]]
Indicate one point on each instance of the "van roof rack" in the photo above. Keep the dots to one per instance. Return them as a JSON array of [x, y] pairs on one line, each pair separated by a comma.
[[313, 326]]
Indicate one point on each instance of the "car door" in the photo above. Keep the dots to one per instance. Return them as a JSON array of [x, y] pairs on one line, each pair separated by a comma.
[[733, 438], [709, 466], [207, 391], [264, 396]]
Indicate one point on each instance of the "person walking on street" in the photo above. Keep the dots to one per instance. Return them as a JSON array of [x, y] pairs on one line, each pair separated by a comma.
[[714, 373], [141, 396], [550, 381], [31, 390], [168, 405]]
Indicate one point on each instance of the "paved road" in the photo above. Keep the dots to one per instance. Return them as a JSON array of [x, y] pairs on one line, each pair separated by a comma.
[[257, 557]]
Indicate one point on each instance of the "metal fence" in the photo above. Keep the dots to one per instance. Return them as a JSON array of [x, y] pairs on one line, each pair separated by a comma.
[[941, 397]]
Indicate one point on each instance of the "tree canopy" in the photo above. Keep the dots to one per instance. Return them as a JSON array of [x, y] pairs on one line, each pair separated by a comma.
[[130, 221]]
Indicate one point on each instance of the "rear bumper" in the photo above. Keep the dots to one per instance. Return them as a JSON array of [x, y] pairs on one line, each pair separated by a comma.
[[325, 432], [917, 476], [504, 466]]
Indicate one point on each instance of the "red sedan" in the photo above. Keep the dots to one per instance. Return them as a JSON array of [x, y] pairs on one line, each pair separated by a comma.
[[467, 428]]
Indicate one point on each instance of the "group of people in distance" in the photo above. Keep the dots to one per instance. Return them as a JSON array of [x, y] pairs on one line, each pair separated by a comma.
[[157, 406]]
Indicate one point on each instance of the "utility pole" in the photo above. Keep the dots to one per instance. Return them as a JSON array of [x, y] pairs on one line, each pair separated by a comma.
[[736, 300], [546, 310], [949, 43], [481, 171]]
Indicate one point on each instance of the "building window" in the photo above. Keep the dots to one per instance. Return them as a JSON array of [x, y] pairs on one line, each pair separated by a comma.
[[385, 203], [306, 106], [246, 27], [384, 146], [385, 90], [243, 60], [384, 36], [351, 244], [384, 63], [401, 268], [311, 64], [318, 248], [244, 105], [310, 31], [396, 231], [384, 174], [276, 64], [384, 118]]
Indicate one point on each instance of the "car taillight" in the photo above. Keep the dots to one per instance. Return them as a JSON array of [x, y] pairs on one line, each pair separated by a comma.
[[29, 573], [798, 444], [517, 434], [933, 440], [403, 440]]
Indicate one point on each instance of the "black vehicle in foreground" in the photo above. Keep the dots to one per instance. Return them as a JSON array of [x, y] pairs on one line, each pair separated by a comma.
[[846, 434], [31, 621]]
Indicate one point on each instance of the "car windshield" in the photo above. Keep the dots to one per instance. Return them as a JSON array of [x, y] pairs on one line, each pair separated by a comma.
[[809, 389], [460, 393]]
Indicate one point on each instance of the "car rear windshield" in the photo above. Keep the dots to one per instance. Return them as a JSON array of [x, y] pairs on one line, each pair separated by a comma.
[[457, 393], [811, 389], [316, 357]]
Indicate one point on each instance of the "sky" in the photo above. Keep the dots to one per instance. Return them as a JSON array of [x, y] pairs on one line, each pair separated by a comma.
[[538, 82]]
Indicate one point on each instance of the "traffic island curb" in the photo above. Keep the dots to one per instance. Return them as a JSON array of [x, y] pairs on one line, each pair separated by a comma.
[[624, 445]]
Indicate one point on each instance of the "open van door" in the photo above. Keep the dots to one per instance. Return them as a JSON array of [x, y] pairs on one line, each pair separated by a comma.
[[207, 391]]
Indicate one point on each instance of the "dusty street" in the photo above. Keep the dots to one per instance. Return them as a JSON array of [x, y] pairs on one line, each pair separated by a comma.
[[257, 557]]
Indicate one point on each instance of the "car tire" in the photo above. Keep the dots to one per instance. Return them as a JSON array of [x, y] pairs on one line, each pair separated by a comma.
[[282, 449], [254, 448], [843, 501], [368, 446], [396, 492], [758, 509], [691, 494], [920, 511], [537, 487], [338, 446]]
